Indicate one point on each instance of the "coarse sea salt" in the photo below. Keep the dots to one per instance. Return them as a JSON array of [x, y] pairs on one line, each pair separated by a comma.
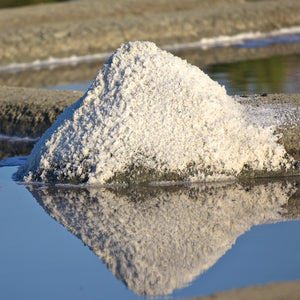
[[149, 116]]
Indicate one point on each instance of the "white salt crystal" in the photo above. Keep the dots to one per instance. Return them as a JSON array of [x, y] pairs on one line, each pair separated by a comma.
[[151, 116]]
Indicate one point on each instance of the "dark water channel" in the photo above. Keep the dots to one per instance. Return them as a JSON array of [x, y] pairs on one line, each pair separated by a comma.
[[170, 242], [277, 74]]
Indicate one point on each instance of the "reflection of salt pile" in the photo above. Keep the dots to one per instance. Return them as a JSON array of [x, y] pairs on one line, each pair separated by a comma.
[[150, 116], [159, 239]]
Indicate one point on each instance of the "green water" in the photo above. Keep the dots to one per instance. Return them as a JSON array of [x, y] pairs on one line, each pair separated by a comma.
[[278, 74], [15, 3]]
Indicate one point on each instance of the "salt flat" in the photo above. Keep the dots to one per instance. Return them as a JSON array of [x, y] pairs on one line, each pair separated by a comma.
[[87, 27]]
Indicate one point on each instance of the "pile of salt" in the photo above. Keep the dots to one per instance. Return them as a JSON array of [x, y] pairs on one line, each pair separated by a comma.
[[150, 116]]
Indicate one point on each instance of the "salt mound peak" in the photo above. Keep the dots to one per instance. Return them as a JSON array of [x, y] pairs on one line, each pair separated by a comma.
[[151, 116]]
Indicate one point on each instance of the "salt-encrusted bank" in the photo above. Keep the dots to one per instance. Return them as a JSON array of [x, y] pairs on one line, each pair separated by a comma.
[[150, 116], [92, 26]]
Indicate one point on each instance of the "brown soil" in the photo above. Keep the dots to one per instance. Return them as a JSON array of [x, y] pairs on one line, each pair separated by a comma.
[[273, 291]]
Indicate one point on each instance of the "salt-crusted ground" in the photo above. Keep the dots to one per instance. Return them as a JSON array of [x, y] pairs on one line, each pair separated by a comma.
[[85, 27], [272, 291], [33, 75]]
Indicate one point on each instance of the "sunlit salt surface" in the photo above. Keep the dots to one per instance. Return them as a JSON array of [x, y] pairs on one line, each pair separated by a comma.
[[177, 241], [150, 116]]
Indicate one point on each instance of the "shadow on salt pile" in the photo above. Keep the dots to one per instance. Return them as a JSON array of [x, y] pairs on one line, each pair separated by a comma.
[[157, 239], [150, 116]]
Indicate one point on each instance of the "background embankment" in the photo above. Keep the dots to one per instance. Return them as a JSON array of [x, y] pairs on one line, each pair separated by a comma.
[[86, 27], [28, 112], [278, 291]]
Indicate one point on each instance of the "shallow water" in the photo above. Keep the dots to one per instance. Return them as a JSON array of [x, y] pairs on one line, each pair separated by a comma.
[[13, 146], [39, 254], [49, 235], [278, 74]]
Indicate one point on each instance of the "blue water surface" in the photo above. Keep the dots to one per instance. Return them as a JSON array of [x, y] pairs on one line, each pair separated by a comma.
[[40, 259]]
